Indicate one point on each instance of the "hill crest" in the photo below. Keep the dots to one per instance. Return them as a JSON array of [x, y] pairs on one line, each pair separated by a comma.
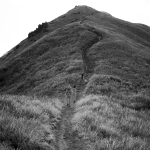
[[98, 65], [78, 41]]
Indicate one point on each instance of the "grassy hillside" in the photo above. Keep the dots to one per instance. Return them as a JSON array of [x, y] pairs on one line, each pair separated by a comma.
[[114, 109], [28, 123], [104, 124], [81, 40]]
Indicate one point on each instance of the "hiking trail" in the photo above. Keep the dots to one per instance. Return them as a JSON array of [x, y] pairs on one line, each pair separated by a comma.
[[66, 138]]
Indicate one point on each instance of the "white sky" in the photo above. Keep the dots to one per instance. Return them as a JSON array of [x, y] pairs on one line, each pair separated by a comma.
[[19, 17]]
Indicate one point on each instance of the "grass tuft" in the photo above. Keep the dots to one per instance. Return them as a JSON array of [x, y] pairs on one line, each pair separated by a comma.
[[105, 124], [28, 123]]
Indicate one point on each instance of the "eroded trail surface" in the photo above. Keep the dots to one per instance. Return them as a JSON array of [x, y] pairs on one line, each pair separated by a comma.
[[66, 138]]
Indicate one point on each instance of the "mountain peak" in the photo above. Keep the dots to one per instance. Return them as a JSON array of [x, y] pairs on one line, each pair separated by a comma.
[[79, 41], [83, 9], [98, 65]]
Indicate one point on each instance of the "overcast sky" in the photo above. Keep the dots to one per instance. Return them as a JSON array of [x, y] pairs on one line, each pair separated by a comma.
[[19, 17]]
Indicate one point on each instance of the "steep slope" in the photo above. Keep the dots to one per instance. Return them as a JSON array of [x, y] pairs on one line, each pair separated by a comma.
[[113, 107], [81, 38]]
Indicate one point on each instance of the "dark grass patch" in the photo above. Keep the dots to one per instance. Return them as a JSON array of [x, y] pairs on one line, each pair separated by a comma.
[[107, 85]]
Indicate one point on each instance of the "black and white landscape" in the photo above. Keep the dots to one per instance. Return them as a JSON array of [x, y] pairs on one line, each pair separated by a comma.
[[103, 62]]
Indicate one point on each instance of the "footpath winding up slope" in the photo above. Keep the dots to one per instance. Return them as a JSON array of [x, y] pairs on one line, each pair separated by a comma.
[[66, 137], [58, 50], [112, 110]]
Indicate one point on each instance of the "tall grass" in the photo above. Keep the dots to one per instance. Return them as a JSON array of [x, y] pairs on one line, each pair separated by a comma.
[[28, 123], [107, 125]]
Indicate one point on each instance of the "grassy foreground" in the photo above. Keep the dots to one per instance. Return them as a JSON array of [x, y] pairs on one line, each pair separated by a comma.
[[114, 112], [106, 125], [28, 123]]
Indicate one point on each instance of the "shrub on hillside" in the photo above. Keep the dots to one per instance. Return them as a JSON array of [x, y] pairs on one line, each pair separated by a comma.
[[138, 101], [41, 27]]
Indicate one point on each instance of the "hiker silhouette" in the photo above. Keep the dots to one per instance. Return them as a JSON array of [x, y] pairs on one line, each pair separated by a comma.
[[71, 95], [82, 78], [73, 90]]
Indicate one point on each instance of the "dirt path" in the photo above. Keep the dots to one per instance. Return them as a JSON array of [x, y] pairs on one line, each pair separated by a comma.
[[66, 138]]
